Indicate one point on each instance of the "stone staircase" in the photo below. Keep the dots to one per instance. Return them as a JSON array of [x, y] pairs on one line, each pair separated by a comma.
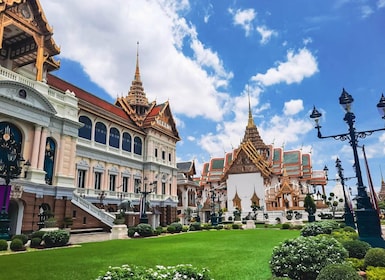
[[101, 215]]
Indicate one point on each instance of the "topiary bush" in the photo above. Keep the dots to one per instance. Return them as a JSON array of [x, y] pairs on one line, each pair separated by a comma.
[[3, 245], [35, 242], [145, 230], [195, 226], [38, 233], [338, 272], [375, 257], [356, 248], [22, 237], [158, 230], [17, 245], [178, 227], [131, 231], [286, 226], [302, 258], [56, 238], [357, 264]]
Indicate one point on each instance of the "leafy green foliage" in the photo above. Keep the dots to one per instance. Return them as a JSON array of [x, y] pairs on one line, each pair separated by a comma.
[[16, 245], [178, 227], [316, 228], [144, 230], [343, 235], [56, 238], [338, 272], [35, 242], [375, 257], [358, 264], [375, 273], [182, 271], [356, 248], [302, 258], [3, 245], [22, 237], [195, 226], [309, 204], [38, 233]]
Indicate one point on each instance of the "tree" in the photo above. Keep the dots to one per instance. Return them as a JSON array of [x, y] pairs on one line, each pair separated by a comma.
[[332, 202], [310, 207]]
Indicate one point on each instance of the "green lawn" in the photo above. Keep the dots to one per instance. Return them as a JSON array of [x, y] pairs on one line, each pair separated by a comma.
[[228, 254]]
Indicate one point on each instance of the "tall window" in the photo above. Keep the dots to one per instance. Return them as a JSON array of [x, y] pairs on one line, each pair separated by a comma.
[[163, 155], [114, 137], [10, 137], [156, 152], [98, 180], [81, 178], [169, 157], [100, 133], [137, 186], [137, 145], [86, 129], [49, 160], [126, 143], [112, 182], [163, 188], [125, 184]]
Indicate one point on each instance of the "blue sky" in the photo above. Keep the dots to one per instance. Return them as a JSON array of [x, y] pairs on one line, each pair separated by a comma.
[[205, 57]]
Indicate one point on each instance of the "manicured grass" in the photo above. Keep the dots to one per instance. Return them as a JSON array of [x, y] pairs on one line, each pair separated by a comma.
[[228, 254]]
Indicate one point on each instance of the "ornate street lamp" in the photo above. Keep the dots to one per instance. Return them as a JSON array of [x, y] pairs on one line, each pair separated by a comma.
[[348, 211], [368, 221], [143, 203], [10, 158]]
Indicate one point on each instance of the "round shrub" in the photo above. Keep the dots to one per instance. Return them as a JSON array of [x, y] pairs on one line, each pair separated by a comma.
[[144, 230], [22, 237], [56, 238], [178, 227], [195, 226], [356, 248], [17, 245], [375, 257], [343, 235], [158, 230], [131, 231], [38, 233], [171, 229], [35, 242], [3, 245], [302, 258], [357, 264], [338, 272], [286, 226], [235, 226], [375, 273]]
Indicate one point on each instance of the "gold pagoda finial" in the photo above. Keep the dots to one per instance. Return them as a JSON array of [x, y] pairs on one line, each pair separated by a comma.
[[137, 73], [250, 122]]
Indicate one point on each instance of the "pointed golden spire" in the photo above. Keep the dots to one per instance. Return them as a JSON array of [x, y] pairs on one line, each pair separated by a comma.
[[137, 73], [250, 122]]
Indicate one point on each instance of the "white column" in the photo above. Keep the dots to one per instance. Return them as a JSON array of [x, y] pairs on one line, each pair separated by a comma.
[[35, 147]]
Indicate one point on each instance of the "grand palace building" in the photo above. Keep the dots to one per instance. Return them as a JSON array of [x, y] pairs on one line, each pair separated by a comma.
[[80, 157]]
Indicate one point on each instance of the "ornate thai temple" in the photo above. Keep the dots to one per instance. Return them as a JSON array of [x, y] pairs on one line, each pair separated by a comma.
[[78, 156], [256, 177]]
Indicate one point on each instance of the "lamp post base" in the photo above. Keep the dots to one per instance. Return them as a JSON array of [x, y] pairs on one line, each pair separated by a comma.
[[369, 227], [349, 219], [4, 226]]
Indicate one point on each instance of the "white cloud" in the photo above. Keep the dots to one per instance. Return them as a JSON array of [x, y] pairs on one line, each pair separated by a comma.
[[103, 40], [297, 67], [366, 11], [266, 34], [380, 4], [293, 107], [244, 18]]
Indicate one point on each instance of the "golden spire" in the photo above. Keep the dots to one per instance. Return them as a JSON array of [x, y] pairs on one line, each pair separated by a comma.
[[137, 73], [250, 122]]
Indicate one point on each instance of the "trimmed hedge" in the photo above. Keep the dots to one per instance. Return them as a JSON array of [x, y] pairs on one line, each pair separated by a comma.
[[56, 238], [356, 248], [338, 272], [375, 257], [3, 245]]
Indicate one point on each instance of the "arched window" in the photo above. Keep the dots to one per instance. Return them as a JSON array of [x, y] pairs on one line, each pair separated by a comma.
[[85, 130], [137, 146], [126, 143], [100, 133], [49, 160], [114, 137]]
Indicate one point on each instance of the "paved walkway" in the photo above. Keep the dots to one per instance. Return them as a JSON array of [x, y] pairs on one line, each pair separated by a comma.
[[89, 237]]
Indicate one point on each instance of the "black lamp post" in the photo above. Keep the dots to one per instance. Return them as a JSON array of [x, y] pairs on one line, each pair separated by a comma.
[[348, 212], [368, 221], [143, 204], [10, 158]]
